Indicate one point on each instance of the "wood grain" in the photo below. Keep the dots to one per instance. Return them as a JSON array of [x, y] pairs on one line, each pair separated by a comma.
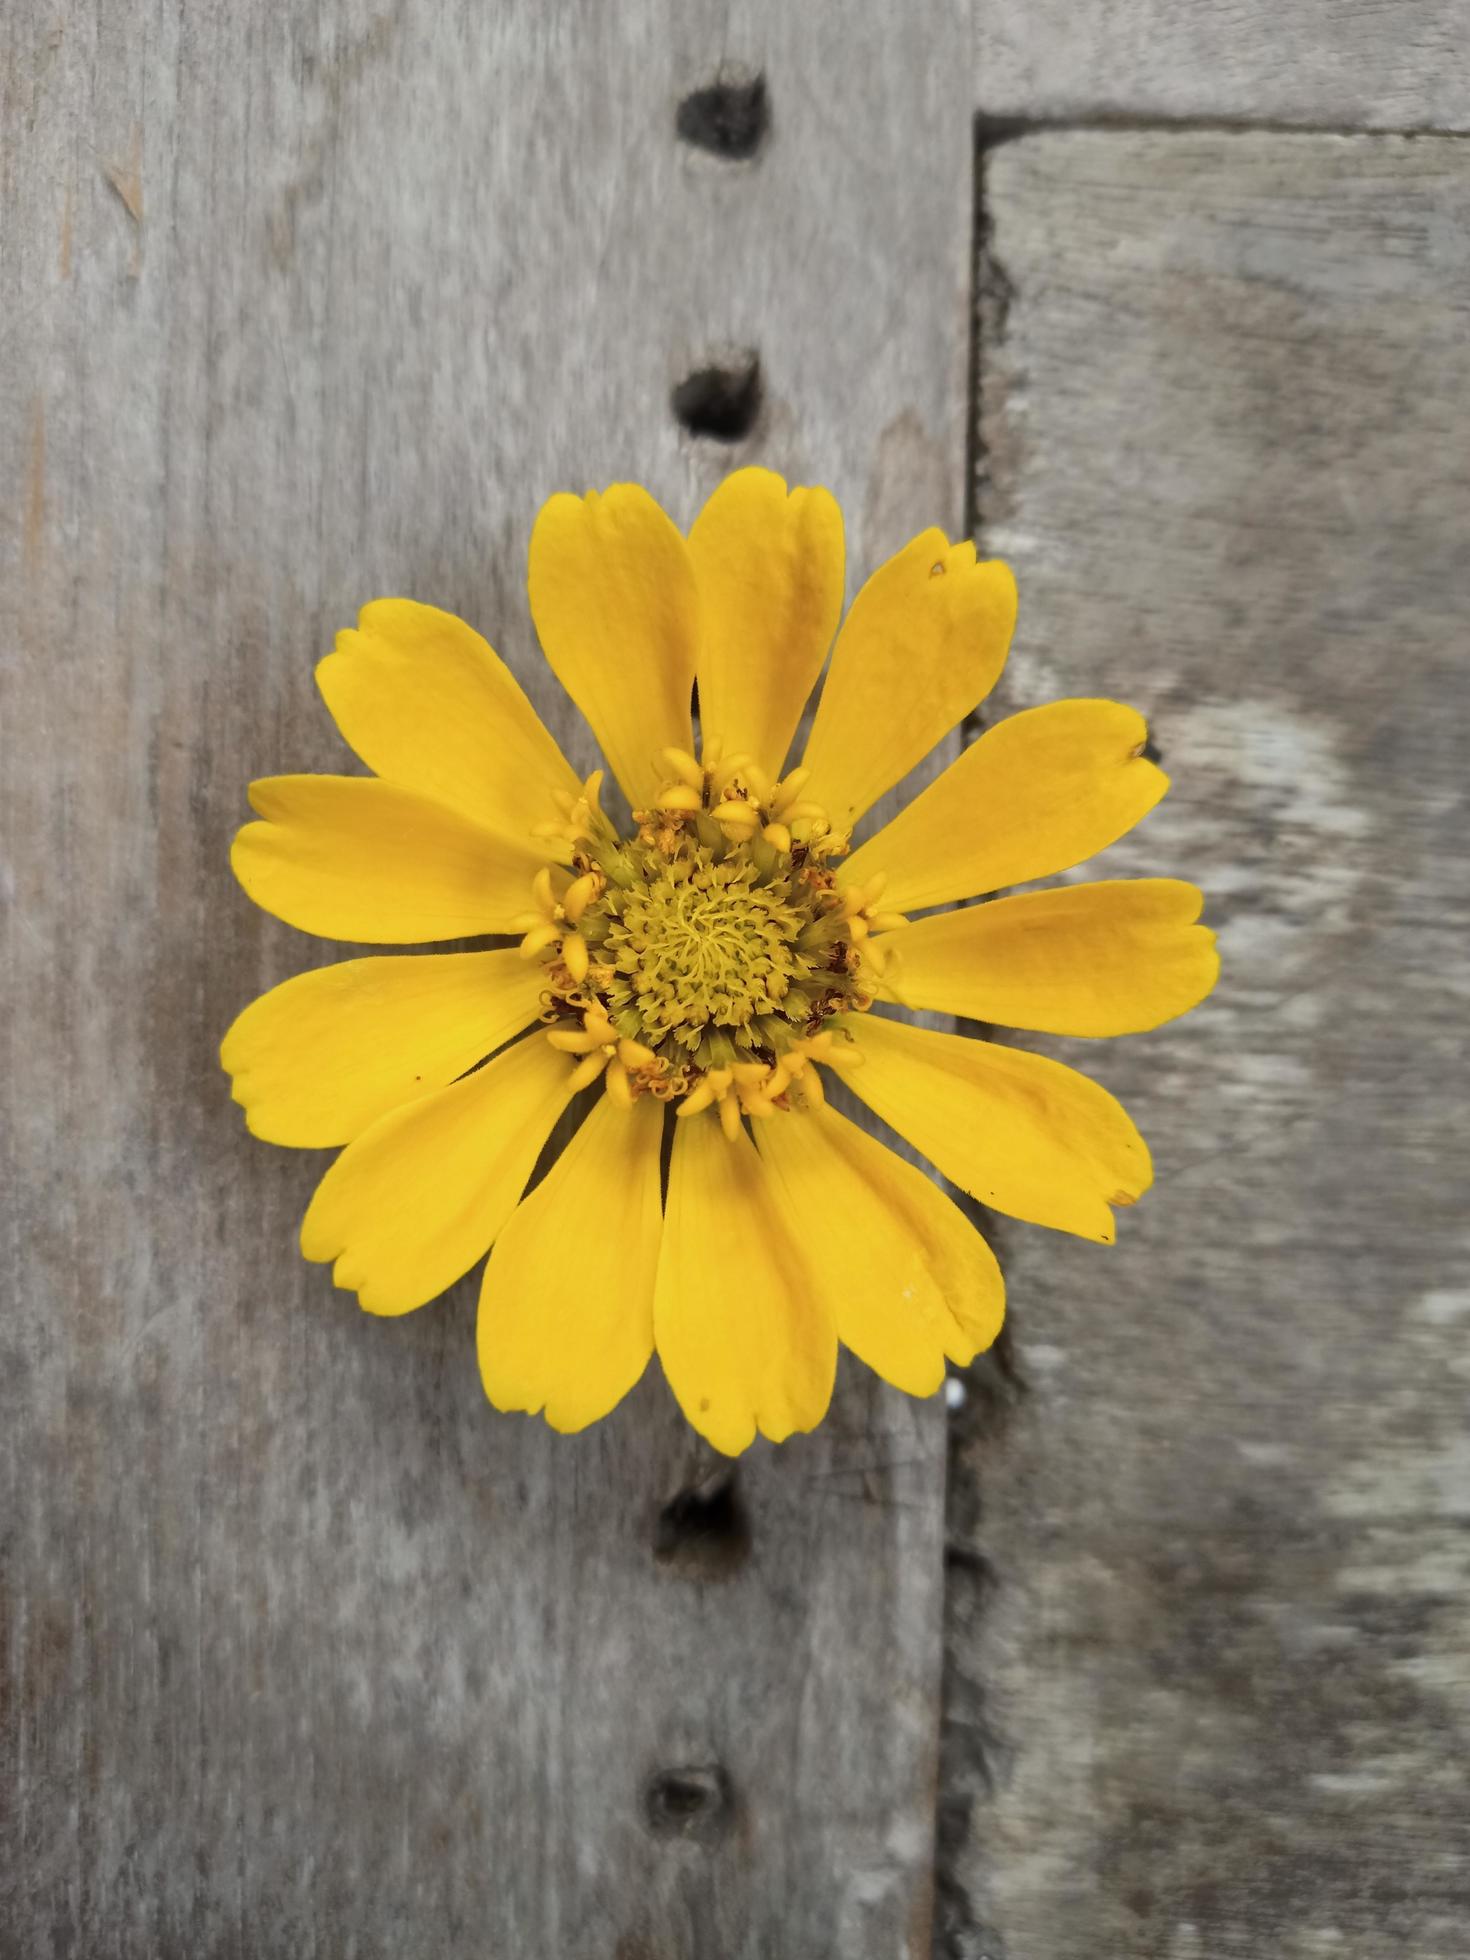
[[307, 1651], [1217, 1662], [1380, 64]]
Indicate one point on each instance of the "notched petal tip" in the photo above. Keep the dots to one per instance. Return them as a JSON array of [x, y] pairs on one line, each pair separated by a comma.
[[259, 1126], [926, 639], [1038, 792], [610, 498], [733, 1441], [750, 477], [350, 1275], [1139, 1180], [562, 504]]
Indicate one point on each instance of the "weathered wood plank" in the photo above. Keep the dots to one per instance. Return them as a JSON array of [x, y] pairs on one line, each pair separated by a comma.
[[1385, 64], [309, 1652], [1221, 1674]]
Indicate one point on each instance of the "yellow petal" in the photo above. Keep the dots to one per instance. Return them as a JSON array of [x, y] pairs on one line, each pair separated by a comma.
[[1111, 958], [1020, 1132], [743, 1341], [350, 857], [427, 704], [908, 1278], [566, 1310], [615, 603], [320, 1057], [770, 567], [415, 1200], [925, 640], [1037, 793]]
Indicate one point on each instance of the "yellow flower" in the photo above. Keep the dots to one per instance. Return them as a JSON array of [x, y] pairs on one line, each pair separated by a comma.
[[714, 956]]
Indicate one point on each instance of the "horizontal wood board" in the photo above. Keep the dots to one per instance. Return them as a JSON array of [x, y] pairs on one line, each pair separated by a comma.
[[1379, 64]]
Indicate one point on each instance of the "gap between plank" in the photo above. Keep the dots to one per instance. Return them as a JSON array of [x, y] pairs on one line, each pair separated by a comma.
[[991, 132]]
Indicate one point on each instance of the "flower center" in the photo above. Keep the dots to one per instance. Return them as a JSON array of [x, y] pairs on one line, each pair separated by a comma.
[[715, 953], [700, 958]]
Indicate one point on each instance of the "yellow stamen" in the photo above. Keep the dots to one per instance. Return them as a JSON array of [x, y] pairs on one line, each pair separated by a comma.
[[588, 1070], [537, 940], [573, 1041], [700, 1097], [756, 781], [788, 789], [737, 811], [687, 770], [724, 774], [680, 796], [582, 820], [576, 956], [579, 895]]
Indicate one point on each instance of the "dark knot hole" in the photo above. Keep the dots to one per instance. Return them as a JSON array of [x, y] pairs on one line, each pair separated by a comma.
[[730, 118], [692, 1801], [721, 401], [704, 1530]]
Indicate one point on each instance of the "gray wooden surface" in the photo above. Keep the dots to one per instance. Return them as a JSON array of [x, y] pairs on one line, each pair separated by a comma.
[[307, 1651], [1325, 64], [1209, 1630]]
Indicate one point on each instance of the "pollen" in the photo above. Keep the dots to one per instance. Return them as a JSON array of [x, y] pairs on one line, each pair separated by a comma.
[[698, 959]]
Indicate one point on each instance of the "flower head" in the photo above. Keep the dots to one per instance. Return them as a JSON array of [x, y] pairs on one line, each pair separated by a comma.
[[707, 962]]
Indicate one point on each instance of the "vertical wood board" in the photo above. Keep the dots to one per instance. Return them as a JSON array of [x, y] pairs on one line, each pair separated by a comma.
[[309, 1652], [1221, 1661]]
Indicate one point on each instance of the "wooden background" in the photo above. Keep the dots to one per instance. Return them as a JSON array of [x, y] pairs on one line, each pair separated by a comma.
[[306, 1651]]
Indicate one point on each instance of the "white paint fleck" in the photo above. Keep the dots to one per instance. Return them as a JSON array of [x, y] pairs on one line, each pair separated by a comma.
[[1351, 1783], [1041, 1357], [907, 1840], [1269, 1454], [1443, 1306]]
